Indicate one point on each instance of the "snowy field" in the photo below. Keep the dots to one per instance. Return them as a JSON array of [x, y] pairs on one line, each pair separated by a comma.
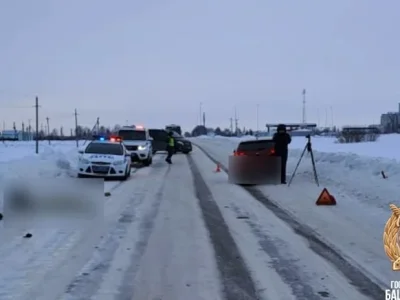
[[352, 173]]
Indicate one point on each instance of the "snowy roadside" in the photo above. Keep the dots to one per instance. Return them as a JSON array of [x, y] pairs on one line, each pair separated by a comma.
[[356, 225]]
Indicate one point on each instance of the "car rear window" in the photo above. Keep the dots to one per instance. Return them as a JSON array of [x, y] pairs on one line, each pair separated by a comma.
[[174, 128], [106, 148], [158, 134], [257, 145], [132, 135], [176, 135]]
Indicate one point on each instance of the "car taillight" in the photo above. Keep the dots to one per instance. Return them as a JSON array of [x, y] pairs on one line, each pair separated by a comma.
[[271, 152], [238, 153]]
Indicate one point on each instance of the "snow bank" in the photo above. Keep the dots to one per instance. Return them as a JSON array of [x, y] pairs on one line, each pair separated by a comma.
[[386, 146], [367, 159], [18, 159], [242, 138], [334, 160]]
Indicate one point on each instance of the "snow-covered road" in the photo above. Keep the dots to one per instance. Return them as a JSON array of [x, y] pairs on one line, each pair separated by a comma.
[[174, 232]]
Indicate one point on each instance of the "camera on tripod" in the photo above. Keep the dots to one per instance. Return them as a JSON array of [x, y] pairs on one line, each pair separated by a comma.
[[308, 148]]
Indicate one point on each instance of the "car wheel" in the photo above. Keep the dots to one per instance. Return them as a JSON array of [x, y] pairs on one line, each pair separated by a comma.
[[186, 152], [81, 175], [125, 177], [147, 162]]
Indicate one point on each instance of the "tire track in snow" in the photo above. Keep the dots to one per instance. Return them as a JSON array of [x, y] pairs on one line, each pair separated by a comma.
[[86, 285], [285, 265], [322, 248], [236, 278]]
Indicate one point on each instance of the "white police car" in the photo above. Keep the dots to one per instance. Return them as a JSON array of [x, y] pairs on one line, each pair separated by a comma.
[[105, 157], [138, 142]]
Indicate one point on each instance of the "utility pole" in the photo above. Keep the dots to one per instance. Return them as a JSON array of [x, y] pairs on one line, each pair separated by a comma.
[[47, 126], [258, 107], [236, 123], [76, 128], [304, 106], [37, 124], [98, 125], [48, 129], [23, 131], [204, 119], [231, 120], [200, 112], [29, 130], [15, 131]]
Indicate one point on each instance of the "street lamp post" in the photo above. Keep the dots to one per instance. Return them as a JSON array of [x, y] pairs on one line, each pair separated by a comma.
[[258, 107]]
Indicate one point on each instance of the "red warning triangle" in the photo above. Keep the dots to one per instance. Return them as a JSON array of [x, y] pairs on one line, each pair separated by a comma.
[[325, 198]]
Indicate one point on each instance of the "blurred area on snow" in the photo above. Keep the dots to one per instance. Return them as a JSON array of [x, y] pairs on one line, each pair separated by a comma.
[[52, 203]]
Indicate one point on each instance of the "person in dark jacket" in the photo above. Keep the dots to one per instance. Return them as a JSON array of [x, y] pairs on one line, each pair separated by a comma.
[[170, 147], [282, 139]]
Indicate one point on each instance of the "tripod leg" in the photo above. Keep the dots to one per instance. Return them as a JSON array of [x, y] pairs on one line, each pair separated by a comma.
[[314, 168], [297, 166]]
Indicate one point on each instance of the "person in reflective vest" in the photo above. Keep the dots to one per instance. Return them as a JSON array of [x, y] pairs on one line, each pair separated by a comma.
[[170, 147]]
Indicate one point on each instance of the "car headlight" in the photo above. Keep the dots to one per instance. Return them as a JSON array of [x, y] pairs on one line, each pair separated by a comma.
[[180, 143], [118, 162], [142, 148], [84, 160]]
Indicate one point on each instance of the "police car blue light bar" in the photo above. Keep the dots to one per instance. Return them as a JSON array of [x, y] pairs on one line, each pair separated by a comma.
[[107, 138], [99, 137]]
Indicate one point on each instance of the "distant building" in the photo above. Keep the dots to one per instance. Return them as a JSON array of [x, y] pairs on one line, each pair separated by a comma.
[[390, 121], [295, 129], [16, 134]]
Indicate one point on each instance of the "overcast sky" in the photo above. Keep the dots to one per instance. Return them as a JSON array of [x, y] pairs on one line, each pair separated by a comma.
[[153, 62]]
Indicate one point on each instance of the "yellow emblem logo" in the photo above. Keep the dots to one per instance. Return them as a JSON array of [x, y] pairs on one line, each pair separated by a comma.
[[391, 237]]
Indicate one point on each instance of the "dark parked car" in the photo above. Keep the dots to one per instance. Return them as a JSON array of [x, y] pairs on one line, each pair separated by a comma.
[[182, 144], [160, 141]]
